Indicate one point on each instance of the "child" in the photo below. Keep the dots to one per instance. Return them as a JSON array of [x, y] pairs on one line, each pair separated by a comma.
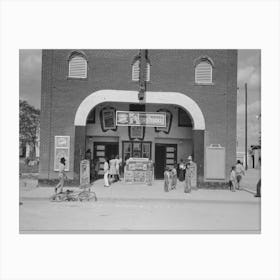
[[61, 175], [166, 179], [173, 177], [232, 179]]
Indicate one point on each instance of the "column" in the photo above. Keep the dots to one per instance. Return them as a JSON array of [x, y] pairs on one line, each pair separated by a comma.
[[80, 146], [198, 148]]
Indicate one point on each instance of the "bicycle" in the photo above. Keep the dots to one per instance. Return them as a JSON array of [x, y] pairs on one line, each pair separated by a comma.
[[70, 195]]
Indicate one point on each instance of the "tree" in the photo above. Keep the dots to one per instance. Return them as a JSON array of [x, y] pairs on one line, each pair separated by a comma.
[[29, 121]]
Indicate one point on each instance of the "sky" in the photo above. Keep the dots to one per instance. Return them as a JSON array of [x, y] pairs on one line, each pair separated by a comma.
[[249, 71]]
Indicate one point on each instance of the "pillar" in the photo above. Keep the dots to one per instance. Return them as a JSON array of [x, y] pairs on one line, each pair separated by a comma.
[[79, 152], [198, 148]]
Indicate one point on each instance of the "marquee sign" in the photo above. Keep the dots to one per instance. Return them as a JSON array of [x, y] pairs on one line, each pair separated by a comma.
[[131, 118]]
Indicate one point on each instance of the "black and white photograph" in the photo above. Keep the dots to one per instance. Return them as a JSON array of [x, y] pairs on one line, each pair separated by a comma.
[[204, 165], [139, 140]]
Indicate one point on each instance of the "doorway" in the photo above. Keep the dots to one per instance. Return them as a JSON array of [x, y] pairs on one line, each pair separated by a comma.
[[165, 156], [102, 150]]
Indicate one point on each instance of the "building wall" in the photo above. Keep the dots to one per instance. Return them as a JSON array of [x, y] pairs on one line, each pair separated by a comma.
[[171, 70]]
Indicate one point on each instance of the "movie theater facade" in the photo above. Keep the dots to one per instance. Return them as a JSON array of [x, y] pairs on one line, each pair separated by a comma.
[[82, 91]]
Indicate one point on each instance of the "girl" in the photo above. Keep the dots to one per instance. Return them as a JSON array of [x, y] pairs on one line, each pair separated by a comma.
[[61, 175]]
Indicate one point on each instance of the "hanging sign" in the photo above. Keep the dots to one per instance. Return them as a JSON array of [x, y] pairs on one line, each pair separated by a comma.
[[84, 172], [131, 118]]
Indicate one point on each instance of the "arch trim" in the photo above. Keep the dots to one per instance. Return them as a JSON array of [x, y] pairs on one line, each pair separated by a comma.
[[125, 96]]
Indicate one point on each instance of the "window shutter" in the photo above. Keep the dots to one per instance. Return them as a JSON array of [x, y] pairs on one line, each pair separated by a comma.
[[203, 73], [77, 67], [136, 71], [148, 71]]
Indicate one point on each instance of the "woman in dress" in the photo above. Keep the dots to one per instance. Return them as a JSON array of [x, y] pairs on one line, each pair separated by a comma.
[[106, 173]]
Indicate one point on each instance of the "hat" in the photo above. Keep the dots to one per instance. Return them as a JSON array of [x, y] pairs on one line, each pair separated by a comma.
[[190, 158]]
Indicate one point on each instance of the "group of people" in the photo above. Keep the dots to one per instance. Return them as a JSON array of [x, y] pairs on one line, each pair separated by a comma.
[[183, 172], [112, 170], [236, 173]]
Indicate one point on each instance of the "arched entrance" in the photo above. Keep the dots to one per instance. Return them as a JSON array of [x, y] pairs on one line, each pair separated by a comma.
[[122, 96]]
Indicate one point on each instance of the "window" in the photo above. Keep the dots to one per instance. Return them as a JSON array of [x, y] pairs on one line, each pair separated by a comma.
[[136, 71], [203, 72], [91, 116], [137, 149], [184, 119], [77, 66]]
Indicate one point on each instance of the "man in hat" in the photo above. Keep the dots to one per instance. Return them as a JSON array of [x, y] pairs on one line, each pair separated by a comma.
[[193, 171]]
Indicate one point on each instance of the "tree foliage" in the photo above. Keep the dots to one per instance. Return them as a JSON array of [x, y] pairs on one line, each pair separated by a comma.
[[29, 121]]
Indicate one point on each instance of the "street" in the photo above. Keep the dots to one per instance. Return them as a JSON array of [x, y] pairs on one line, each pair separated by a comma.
[[125, 207]]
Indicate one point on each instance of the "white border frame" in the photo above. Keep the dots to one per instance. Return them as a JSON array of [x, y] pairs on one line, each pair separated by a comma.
[[67, 167], [235, 24]]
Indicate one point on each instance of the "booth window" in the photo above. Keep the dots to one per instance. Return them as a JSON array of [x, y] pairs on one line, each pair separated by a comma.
[[203, 71], [136, 70], [184, 119], [77, 66], [91, 117]]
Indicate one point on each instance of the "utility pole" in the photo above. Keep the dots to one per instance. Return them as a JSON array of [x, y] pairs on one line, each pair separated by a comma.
[[246, 152], [142, 74]]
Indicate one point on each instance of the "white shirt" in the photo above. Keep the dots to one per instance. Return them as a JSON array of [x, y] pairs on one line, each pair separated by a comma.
[[239, 169], [106, 166]]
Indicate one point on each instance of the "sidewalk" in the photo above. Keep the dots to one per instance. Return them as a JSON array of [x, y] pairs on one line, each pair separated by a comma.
[[140, 192], [250, 180]]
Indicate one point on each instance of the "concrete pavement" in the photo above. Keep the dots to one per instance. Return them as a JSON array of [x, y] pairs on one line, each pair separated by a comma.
[[125, 208]]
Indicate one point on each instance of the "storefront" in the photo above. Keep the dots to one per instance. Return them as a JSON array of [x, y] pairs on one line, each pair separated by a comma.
[[83, 90]]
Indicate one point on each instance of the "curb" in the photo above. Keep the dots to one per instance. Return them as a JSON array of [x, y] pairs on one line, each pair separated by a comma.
[[248, 190]]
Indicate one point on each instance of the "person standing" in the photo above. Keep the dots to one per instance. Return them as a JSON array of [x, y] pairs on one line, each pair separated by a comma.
[[258, 194], [61, 175], [112, 170], [193, 170], [106, 173], [181, 170], [118, 167], [173, 178], [239, 170], [166, 179], [188, 179], [232, 179]]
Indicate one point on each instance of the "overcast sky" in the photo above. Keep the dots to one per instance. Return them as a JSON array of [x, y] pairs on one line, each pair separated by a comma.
[[249, 71]]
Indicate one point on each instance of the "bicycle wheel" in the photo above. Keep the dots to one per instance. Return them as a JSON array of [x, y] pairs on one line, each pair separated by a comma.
[[59, 197], [86, 195], [92, 196]]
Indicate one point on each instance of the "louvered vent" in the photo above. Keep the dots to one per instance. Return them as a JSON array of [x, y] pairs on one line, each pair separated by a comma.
[[77, 67], [136, 71], [203, 73]]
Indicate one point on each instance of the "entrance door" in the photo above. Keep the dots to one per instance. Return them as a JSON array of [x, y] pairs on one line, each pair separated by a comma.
[[165, 156], [102, 150]]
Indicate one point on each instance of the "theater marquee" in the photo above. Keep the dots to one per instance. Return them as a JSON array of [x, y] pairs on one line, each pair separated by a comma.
[[129, 118]]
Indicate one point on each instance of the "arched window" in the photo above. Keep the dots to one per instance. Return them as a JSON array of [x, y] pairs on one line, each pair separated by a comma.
[[77, 66], [136, 70], [203, 71]]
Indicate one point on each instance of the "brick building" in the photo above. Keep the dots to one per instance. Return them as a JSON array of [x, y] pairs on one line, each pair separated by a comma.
[[82, 89]]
